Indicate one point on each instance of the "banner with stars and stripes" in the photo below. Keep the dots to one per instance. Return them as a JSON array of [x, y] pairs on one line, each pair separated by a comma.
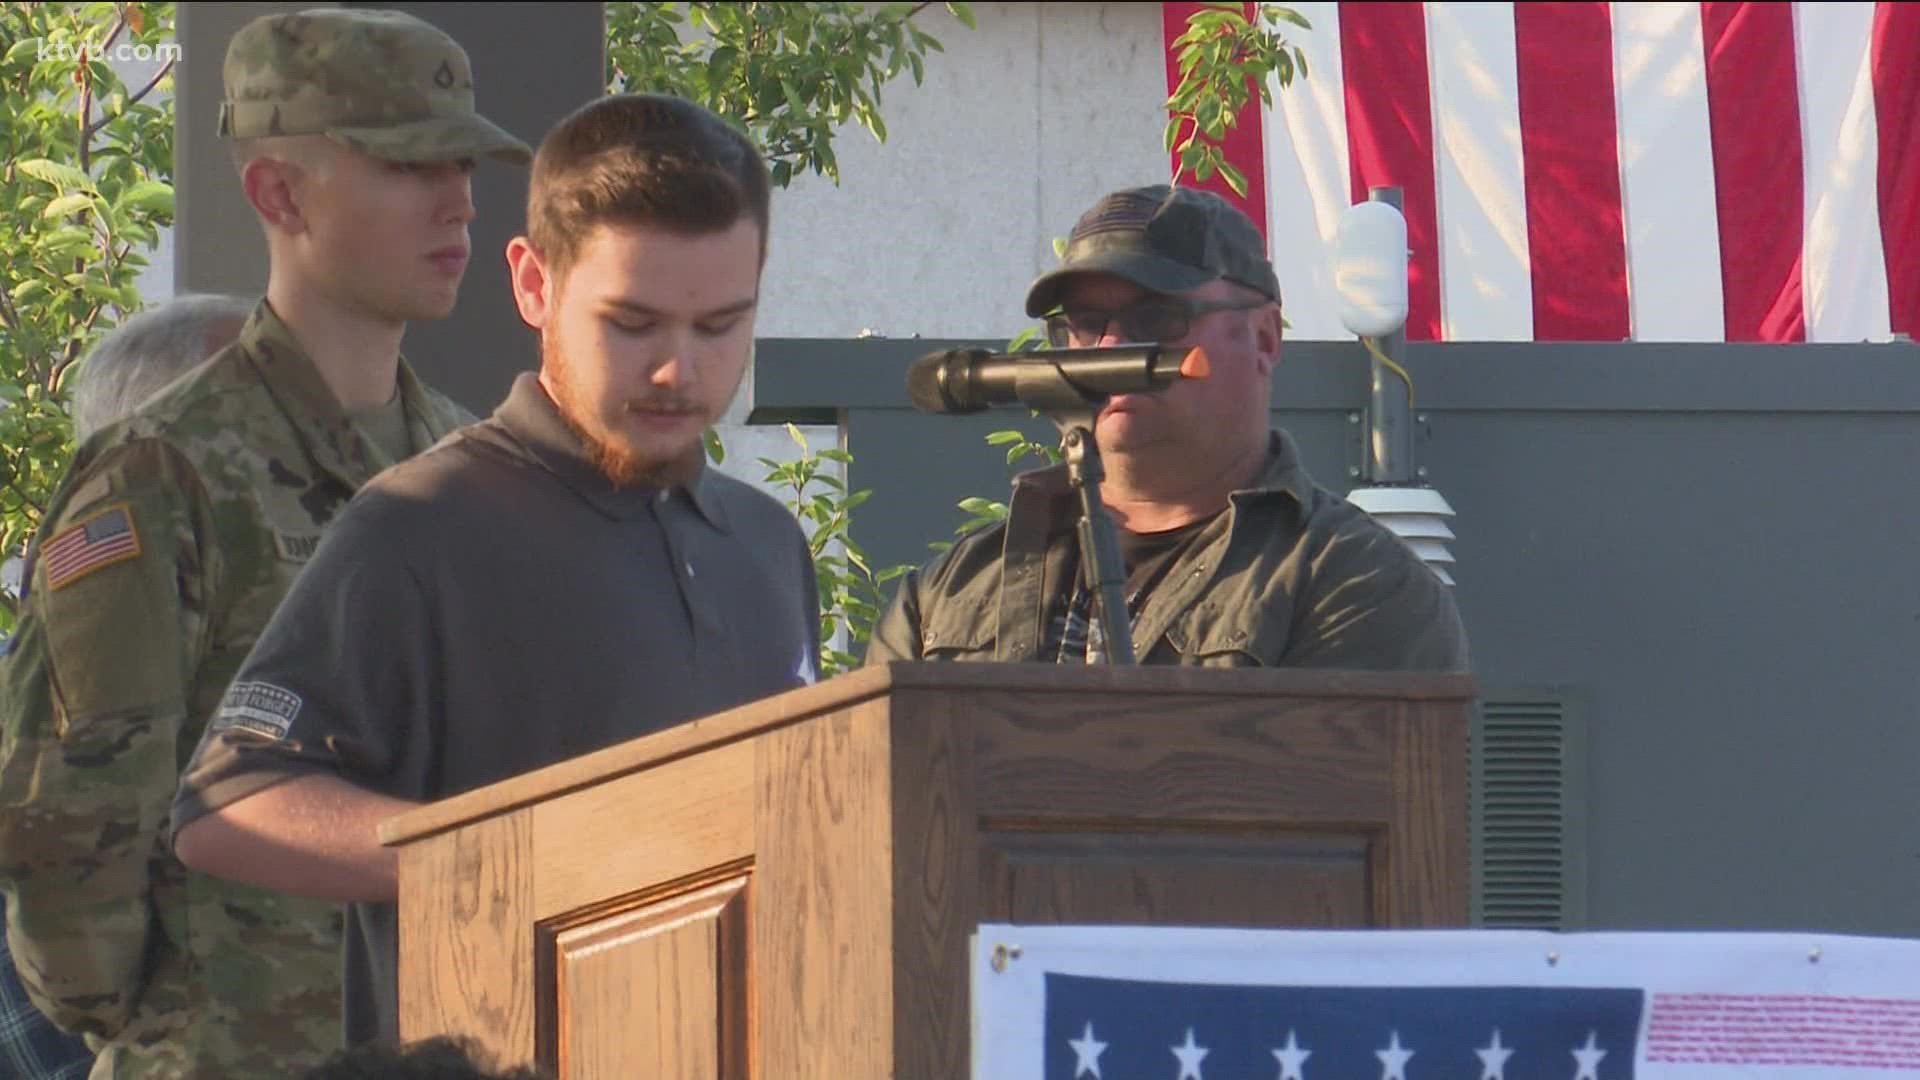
[[1140, 1003]]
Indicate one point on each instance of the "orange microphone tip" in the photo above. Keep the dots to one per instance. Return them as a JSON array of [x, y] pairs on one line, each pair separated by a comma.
[[1196, 365]]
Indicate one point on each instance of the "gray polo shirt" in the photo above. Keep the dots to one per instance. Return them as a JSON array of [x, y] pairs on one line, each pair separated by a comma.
[[494, 606]]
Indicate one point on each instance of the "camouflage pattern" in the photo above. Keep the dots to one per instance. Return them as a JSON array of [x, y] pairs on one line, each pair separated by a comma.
[[385, 82], [229, 477], [1290, 575]]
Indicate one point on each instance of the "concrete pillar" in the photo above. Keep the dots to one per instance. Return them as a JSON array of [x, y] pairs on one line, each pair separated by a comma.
[[217, 245]]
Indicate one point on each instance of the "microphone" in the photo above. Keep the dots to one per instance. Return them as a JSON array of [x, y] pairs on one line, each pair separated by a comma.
[[960, 381]]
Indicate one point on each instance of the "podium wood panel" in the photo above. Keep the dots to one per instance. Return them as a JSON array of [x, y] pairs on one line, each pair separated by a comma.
[[787, 890], [824, 787], [468, 935], [679, 961], [1157, 879]]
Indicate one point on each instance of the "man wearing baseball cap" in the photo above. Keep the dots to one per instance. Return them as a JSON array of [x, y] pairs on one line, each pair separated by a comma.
[[178, 530], [1234, 556]]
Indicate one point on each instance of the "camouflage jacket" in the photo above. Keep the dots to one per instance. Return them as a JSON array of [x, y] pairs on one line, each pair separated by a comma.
[[1290, 575], [169, 543]]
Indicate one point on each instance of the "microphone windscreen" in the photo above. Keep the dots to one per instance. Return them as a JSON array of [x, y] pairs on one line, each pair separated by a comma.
[[923, 383], [952, 369]]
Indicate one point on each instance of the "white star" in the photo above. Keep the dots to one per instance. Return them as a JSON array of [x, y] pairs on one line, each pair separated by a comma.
[[1393, 1060], [1495, 1057], [1086, 1052], [1589, 1057], [1190, 1056], [1292, 1059]]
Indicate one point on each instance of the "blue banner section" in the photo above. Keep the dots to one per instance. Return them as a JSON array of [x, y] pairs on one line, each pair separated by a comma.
[[1136, 1029]]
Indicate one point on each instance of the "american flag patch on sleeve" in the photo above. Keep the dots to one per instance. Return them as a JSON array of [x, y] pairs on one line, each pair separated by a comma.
[[105, 538]]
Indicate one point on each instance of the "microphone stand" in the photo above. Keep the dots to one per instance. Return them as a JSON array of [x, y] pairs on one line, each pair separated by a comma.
[[1074, 411]]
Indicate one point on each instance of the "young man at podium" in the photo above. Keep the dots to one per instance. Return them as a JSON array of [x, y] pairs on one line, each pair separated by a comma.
[[1233, 556], [562, 577]]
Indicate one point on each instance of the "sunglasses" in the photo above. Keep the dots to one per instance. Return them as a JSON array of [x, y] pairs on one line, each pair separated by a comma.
[[1152, 321]]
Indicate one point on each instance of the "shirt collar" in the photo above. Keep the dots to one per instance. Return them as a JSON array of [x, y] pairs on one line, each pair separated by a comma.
[[531, 417], [296, 385], [1284, 474]]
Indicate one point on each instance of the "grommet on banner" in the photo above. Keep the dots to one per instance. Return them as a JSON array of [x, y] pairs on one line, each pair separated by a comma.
[[1813, 956], [1002, 954], [1553, 959]]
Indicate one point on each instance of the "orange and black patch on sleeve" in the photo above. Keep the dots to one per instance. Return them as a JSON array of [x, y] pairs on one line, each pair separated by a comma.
[[99, 540]]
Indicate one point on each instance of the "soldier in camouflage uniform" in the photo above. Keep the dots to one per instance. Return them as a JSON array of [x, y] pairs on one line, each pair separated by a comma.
[[178, 530]]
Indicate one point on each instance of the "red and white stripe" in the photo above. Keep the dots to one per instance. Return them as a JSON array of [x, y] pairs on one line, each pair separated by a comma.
[[101, 540], [1606, 172]]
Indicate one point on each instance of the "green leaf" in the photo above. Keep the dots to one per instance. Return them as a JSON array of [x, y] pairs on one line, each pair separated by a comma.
[[68, 204], [1236, 179], [31, 290], [149, 196], [67, 240], [53, 172], [792, 93], [101, 291]]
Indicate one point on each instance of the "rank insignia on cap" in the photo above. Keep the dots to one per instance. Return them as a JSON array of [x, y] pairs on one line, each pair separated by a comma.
[[99, 540]]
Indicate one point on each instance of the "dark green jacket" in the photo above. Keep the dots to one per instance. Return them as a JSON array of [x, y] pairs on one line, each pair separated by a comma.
[[1291, 576]]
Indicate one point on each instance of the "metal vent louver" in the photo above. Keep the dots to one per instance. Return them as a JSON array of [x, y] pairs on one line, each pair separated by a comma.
[[1526, 802]]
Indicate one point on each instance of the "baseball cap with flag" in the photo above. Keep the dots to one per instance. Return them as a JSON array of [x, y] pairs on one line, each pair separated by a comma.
[[1164, 239], [384, 82]]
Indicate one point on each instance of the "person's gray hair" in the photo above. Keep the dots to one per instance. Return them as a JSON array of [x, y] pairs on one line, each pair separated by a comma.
[[150, 350]]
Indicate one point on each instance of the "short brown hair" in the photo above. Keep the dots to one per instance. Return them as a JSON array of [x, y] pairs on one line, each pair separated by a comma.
[[642, 159]]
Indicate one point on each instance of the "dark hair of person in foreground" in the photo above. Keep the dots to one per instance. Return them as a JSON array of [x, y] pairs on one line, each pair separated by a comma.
[[440, 1058]]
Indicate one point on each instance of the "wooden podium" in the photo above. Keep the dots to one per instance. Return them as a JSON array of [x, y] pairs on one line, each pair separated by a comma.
[[786, 890]]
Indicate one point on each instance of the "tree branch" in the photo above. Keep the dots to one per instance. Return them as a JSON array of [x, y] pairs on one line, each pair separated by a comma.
[[151, 83], [113, 35], [73, 344], [132, 101], [86, 115], [25, 498]]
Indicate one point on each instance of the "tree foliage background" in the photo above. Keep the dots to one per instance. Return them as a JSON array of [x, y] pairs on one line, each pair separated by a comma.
[[86, 188]]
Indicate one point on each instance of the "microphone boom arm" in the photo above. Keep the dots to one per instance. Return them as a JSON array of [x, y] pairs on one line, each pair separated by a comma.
[[1075, 412]]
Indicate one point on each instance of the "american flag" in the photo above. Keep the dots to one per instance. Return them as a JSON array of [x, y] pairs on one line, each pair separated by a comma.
[[1603, 171], [1132, 1029], [101, 540]]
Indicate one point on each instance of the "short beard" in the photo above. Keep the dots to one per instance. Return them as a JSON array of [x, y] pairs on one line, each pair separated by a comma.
[[622, 468]]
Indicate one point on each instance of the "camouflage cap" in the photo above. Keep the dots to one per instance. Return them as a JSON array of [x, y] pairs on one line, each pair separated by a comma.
[[1163, 239], [384, 82]]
